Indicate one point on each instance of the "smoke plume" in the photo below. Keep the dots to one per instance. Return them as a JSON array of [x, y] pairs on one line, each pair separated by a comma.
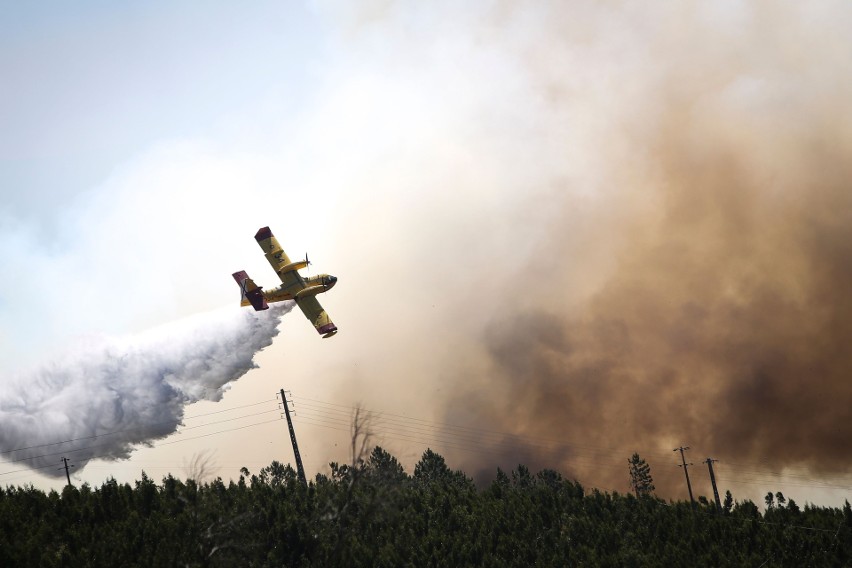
[[722, 314], [106, 395]]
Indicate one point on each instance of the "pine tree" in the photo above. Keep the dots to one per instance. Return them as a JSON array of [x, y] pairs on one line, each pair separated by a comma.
[[640, 476], [729, 502]]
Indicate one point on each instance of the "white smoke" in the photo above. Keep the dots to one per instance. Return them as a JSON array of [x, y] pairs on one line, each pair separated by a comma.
[[105, 395]]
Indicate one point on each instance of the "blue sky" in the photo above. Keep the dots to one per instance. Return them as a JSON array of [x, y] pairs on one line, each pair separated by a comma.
[[89, 84]]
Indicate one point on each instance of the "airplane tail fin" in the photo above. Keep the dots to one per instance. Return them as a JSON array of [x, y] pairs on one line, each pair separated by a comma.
[[252, 294]]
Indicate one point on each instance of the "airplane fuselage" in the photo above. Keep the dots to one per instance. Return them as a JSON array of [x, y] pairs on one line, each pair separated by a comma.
[[310, 285]]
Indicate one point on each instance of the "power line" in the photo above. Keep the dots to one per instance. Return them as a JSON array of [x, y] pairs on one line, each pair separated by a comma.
[[130, 443], [448, 426], [94, 436], [466, 435], [465, 442], [450, 444], [219, 432], [158, 445], [327, 415], [31, 469], [440, 431]]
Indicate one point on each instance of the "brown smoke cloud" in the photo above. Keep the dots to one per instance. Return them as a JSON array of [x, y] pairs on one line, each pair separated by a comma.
[[722, 315], [608, 227]]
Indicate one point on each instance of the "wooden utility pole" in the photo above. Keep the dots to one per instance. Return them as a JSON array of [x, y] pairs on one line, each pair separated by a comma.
[[67, 475], [299, 468], [709, 463], [684, 466]]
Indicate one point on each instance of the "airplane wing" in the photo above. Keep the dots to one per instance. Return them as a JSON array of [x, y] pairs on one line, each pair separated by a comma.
[[317, 316], [278, 259]]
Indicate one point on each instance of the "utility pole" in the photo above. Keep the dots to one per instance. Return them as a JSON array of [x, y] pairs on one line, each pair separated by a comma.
[[709, 463], [299, 468], [684, 466], [67, 475]]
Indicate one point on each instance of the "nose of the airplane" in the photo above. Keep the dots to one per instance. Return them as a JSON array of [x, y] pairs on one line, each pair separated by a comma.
[[332, 280]]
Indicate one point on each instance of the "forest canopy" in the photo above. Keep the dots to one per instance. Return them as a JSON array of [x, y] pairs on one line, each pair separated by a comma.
[[373, 513]]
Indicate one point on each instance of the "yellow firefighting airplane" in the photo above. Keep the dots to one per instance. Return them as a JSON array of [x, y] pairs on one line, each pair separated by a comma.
[[294, 286]]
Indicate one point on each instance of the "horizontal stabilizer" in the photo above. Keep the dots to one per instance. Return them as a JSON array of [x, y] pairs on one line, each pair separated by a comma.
[[251, 292]]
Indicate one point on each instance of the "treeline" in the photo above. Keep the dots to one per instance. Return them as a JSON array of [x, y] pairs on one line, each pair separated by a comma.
[[375, 514]]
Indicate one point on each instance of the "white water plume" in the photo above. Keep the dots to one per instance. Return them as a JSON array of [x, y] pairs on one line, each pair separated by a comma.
[[106, 394]]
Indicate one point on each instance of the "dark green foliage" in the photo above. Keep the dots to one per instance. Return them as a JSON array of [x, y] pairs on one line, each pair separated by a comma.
[[640, 476], [729, 502], [372, 513]]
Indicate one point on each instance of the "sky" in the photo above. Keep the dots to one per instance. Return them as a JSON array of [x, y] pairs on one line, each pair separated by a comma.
[[563, 232]]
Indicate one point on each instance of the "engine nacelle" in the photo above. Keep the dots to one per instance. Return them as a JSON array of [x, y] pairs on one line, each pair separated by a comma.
[[298, 265]]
